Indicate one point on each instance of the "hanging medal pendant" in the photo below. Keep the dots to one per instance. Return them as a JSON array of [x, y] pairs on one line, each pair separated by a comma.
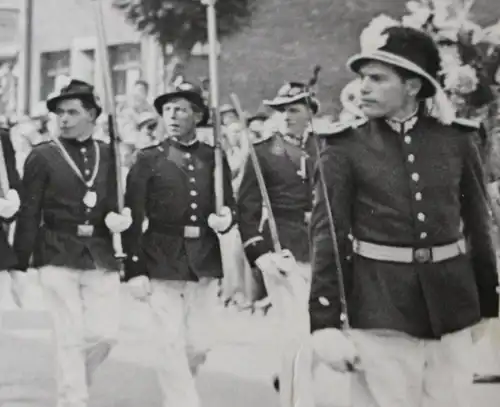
[[90, 199], [302, 173]]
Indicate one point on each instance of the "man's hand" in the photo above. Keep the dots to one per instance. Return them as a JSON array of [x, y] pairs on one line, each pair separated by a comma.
[[18, 286], [119, 222], [10, 204], [333, 348], [220, 223], [139, 287]]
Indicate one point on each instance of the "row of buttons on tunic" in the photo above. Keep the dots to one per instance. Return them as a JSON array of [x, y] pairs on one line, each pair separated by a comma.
[[415, 176], [86, 171], [193, 191]]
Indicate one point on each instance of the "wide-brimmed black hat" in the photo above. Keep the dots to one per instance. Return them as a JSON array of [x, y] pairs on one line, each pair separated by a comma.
[[293, 92], [76, 89], [188, 91], [407, 48]]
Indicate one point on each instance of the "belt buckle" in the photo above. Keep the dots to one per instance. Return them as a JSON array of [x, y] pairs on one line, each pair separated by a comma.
[[85, 230], [192, 232], [422, 255]]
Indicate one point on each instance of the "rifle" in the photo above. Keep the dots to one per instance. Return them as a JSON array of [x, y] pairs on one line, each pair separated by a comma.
[[273, 229], [344, 316], [112, 124], [214, 101], [4, 182]]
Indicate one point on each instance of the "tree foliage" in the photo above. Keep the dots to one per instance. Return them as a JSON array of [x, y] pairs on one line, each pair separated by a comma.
[[182, 23]]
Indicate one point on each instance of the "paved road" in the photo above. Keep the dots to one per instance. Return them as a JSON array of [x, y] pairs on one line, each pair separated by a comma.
[[237, 372]]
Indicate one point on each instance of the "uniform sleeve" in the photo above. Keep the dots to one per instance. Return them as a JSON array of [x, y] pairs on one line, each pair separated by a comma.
[[135, 199], [255, 242], [229, 196], [324, 301], [10, 165], [477, 226], [30, 214]]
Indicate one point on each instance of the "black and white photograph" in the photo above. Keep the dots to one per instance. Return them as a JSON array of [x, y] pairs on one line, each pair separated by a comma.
[[241, 203]]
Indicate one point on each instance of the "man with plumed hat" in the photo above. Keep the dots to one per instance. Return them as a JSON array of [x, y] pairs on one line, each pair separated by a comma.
[[65, 224], [286, 157], [407, 192], [174, 258]]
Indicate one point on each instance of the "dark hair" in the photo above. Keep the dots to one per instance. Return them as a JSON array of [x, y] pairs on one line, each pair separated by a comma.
[[143, 83], [89, 105]]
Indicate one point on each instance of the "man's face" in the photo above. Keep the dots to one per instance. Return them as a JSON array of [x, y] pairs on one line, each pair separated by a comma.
[[383, 92], [257, 125], [74, 119], [229, 118], [296, 117], [179, 118]]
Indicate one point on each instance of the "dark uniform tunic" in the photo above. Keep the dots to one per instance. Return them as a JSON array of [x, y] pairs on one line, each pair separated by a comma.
[[409, 189], [7, 255], [172, 186], [287, 170], [52, 210]]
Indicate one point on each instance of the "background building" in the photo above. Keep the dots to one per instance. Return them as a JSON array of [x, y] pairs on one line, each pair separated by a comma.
[[285, 40]]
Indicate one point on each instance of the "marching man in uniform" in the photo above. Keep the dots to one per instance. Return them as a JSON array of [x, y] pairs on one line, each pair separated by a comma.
[[9, 198], [400, 182], [65, 224], [286, 156], [174, 258]]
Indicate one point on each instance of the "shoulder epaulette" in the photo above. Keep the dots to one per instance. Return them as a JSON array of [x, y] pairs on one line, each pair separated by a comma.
[[468, 123], [44, 143], [334, 128], [266, 136], [155, 146]]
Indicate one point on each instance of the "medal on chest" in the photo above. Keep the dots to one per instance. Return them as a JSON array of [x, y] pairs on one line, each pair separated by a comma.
[[90, 199], [302, 172]]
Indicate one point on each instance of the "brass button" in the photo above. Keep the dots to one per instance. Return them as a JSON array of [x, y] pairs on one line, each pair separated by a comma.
[[407, 139], [418, 196], [411, 158], [421, 216], [415, 176]]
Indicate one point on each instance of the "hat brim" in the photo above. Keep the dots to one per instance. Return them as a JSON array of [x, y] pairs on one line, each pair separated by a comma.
[[357, 61], [279, 103], [192, 97], [53, 102]]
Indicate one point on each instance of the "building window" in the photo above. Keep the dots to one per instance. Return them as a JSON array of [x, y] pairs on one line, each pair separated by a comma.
[[54, 66], [125, 63]]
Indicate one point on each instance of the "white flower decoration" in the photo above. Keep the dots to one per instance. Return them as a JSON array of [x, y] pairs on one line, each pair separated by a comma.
[[461, 80], [450, 58], [419, 14], [372, 37], [492, 34]]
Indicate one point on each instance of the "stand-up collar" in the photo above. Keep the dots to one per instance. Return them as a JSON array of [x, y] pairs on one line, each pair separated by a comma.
[[405, 125]]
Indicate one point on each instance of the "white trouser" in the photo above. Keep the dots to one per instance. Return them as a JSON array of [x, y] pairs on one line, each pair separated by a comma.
[[182, 311], [85, 310], [290, 299], [401, 371]]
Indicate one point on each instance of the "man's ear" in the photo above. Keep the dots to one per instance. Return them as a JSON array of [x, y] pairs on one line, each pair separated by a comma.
[[413, 86], [198, 116]]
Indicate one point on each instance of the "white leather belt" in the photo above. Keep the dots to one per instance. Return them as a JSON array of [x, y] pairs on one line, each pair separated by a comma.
[[395, 254]]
